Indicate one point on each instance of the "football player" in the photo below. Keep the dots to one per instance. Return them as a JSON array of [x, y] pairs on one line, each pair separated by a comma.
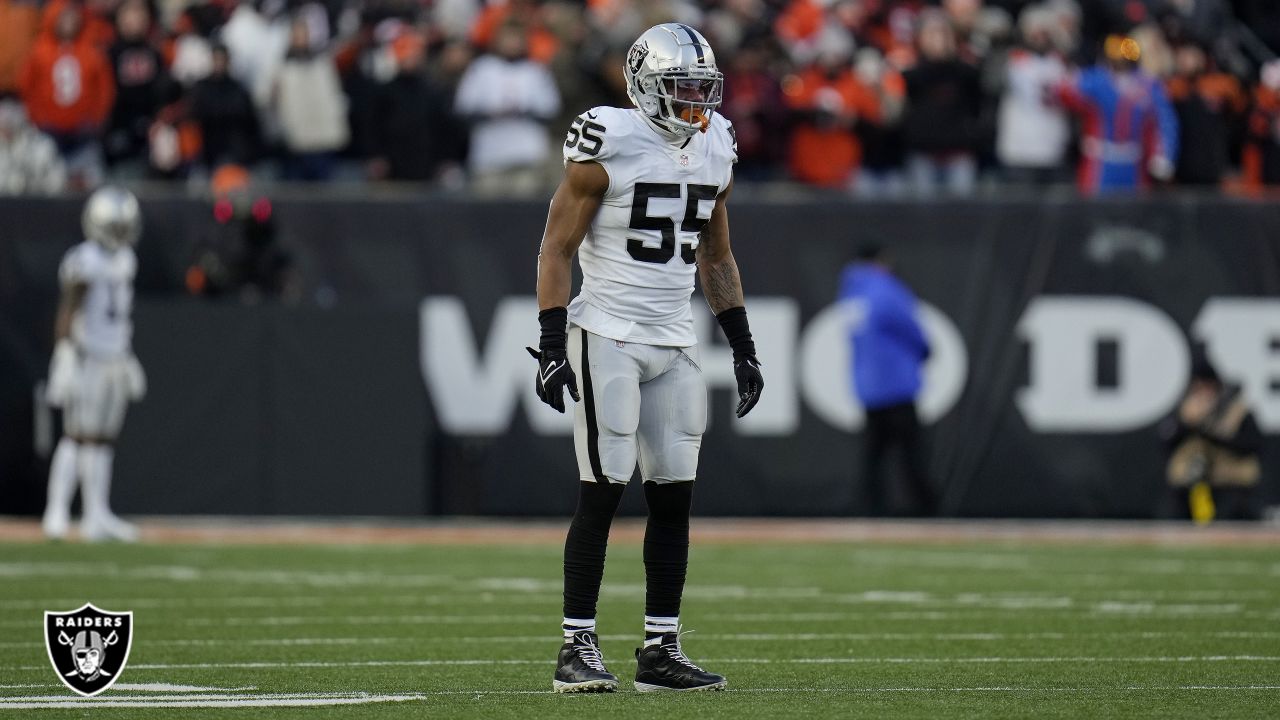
[[94, 374], [642, 206]]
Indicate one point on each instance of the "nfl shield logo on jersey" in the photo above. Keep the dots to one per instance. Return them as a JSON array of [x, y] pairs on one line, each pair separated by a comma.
[[88, 647]]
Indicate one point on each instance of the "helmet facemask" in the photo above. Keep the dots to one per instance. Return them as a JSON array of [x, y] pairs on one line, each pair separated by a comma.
[[687, 100], [673, 79]]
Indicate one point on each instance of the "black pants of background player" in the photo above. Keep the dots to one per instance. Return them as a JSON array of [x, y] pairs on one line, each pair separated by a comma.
[[892, 431]]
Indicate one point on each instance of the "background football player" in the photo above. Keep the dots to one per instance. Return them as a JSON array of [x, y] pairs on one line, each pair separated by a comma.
[[642, 205], [94, 374]]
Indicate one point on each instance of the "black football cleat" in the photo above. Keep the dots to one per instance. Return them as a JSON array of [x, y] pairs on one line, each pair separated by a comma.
[[582, 667], [663, 666]]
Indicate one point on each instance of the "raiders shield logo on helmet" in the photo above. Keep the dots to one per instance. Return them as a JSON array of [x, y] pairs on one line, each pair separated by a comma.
[[88, 647], [636, 57]]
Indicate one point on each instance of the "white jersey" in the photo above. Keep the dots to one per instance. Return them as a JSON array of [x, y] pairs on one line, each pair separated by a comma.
[[102, 326], [638, 255]]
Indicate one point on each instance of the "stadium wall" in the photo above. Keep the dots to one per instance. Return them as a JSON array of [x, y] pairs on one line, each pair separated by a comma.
[[1063, 331]]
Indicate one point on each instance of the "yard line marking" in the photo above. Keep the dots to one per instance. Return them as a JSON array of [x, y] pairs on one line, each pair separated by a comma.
[[729, 637], [904, 689], [187, 573], [27, 685], [314, 699], [969, 613], [727, 661], [169, 688], [812, 594], [213, 701]]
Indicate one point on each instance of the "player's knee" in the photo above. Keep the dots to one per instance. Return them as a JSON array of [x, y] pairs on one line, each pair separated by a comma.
[[618, 458], [597, 503], [669, 503], [681, 462]]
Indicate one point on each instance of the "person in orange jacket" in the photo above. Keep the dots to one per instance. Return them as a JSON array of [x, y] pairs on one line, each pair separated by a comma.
[[827, 102], [19, 21], [68, 89]]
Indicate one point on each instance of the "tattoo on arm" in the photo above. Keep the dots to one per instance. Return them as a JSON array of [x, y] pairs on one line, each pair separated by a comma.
[[721, 284]]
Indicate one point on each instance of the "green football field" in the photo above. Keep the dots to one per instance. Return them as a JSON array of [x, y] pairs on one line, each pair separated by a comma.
[[973, 629]]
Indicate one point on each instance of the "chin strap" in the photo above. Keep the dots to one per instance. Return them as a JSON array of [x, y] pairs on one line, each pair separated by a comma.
[[671, 135]]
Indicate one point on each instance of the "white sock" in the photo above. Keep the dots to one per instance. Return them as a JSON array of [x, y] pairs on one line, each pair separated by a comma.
[[656, 627], [577, 625], [62, 482], [95, 483]]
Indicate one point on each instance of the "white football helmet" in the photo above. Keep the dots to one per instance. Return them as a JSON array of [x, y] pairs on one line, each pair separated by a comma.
[[672, 77], [112, 218]]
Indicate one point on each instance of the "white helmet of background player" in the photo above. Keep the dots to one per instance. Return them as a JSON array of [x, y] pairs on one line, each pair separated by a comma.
[[112, 218], [672, 77]]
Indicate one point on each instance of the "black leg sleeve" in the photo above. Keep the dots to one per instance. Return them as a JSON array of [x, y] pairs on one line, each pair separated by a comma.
[[666, 546], [584, 548]]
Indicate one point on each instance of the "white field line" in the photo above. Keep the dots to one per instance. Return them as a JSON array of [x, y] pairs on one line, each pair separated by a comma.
[[961, 611], [345, 598], [967, 562], [170, 688], [1029, 565], [801, 691], [321, 700], [726, 661], [104, 572], [545, 639], [24, 686], [200, 701]]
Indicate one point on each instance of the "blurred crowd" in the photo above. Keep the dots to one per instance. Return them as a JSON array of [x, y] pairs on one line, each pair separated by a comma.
[[870, 97]]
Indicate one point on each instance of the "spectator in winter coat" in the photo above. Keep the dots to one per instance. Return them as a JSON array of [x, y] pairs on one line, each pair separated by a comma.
[[753, 98], [941, 126], [311, 108], [1129, 131], [141, 82], [68, 89], [827, 102], [412, 134], [1261, 160], [29, 161], [226, 115], [1209, 105], [889, 351], [19, 24], [1033, 128], [508, 99]]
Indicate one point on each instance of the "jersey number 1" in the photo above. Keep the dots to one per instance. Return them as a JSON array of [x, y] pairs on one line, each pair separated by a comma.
[[642, 220]]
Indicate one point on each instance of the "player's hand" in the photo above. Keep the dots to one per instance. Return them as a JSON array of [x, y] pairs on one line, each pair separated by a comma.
[[135, 378], [554, 375], [746, 369], [64, 372]]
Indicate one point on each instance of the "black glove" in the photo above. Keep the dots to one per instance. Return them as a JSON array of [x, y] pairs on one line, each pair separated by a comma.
[[554, 373], [746, 367], [746, 370]]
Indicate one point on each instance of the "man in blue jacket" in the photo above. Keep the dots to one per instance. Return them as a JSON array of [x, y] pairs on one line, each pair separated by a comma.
[[889, 349]]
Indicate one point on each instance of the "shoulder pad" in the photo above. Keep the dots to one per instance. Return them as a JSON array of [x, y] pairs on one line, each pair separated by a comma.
[[77, 265], [596, 134], [724, 128]]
